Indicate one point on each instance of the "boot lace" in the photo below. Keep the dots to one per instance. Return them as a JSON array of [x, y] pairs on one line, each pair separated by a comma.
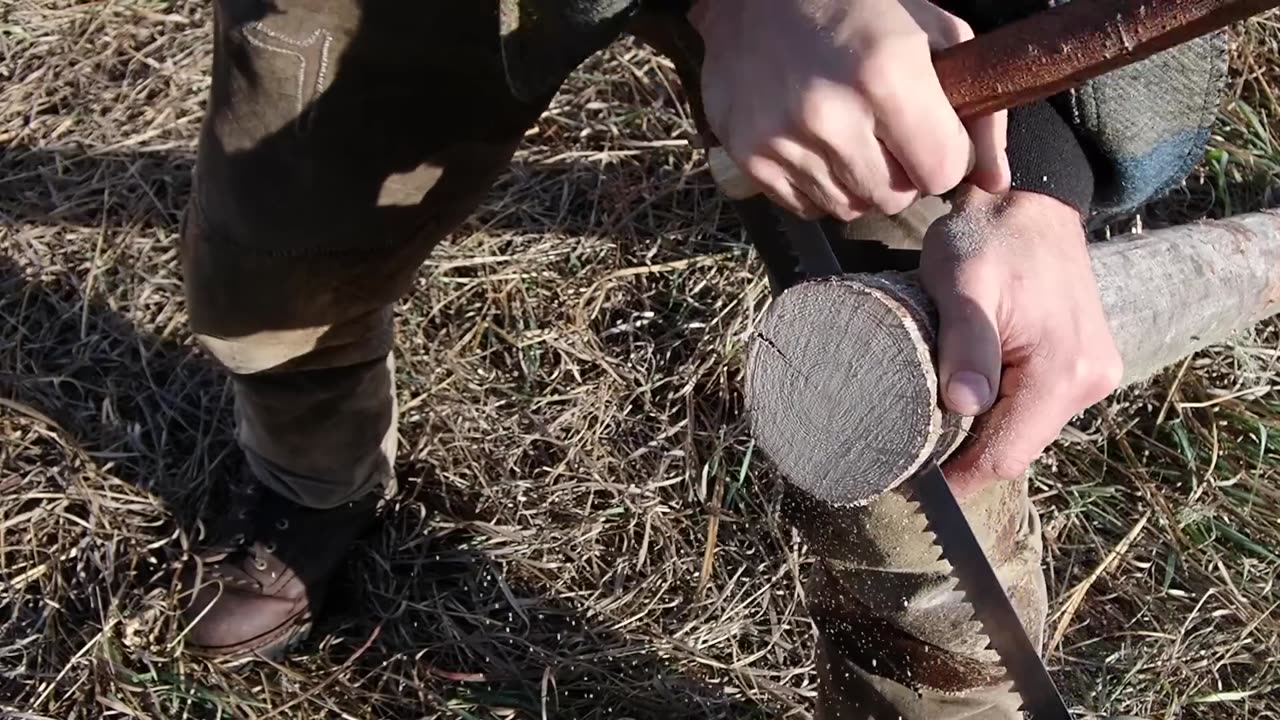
[[249, 535]]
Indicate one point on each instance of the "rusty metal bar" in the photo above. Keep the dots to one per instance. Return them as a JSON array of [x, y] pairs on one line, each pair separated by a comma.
[[1054, 50]]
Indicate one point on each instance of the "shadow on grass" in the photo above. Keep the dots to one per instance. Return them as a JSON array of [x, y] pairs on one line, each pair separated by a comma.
[[425, 618]]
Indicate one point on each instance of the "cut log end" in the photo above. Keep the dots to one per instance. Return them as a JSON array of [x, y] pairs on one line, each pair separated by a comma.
[[824, 350]]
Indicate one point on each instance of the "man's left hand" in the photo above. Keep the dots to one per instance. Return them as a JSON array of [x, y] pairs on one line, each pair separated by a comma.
[[1023, 340]]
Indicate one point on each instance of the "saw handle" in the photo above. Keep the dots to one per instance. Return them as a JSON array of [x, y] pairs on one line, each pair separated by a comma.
[[1048, 52]]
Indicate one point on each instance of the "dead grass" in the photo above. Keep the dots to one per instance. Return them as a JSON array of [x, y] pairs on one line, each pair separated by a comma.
[[584, 530]]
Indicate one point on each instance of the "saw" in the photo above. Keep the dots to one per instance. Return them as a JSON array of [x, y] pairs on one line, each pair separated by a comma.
[[1016, 64]]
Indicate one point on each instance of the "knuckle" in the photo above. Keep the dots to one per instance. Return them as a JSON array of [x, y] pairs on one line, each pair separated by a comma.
[[853, 178], [1078, 369], [1113, 372], [894, 203], [957, 31], [820, 196], [881, 64], [1107, 371], [773, 146], [831, 203], [760, 168], [948, 171], [1009, 467], [844, 212], [1094, 376], [805, 208], [869, 80], [940, 178], [814, 112]]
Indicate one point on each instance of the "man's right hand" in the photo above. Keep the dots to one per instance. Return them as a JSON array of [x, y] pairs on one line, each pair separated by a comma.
[[833, 107]]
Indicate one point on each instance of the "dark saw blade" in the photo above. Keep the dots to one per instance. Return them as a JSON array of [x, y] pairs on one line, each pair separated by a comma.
[[991, 606]]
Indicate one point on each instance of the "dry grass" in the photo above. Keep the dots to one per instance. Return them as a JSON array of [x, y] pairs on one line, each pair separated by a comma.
[[583, 530]]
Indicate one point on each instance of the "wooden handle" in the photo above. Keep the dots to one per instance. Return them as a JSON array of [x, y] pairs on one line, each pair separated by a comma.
[[841, 386], [1046, 53]]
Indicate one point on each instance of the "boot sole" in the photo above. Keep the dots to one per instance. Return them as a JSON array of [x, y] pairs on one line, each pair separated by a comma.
[[273, 650]]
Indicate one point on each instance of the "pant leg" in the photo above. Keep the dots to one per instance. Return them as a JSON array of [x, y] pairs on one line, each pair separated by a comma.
[[895, 637], [343, 140]]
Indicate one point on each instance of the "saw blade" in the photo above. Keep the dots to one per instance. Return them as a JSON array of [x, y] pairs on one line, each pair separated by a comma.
[[991, 606]]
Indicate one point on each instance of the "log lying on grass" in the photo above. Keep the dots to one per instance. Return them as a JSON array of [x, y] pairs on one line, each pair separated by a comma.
[[841, 384]]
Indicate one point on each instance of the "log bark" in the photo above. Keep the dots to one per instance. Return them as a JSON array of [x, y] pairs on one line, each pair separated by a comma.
[[841, 383]]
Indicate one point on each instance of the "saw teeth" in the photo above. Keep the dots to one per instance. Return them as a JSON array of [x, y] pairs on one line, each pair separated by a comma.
[[1056, 708], [990, 645], [974, 616]]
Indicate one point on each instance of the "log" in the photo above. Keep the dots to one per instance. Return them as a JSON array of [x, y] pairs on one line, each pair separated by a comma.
[[842, 389]]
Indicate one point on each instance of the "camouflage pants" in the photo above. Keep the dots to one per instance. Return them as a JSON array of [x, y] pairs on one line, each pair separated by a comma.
[[344, 139]]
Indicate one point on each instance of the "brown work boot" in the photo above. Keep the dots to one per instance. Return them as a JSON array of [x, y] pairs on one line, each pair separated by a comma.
[[256, 590]]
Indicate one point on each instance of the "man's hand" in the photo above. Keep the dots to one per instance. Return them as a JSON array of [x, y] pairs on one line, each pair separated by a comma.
[[833, 106], [1022, 334]]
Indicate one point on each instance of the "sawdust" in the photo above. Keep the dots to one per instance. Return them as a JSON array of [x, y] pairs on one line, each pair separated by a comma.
[[973, 231]]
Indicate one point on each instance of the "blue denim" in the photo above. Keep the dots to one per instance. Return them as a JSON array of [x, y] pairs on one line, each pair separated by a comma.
[[1149, 123]]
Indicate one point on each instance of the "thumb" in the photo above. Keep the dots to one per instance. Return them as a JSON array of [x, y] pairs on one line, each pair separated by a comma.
[[968, 353]]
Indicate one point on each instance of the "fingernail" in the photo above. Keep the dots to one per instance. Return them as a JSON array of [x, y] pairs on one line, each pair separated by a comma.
[[968, 392]]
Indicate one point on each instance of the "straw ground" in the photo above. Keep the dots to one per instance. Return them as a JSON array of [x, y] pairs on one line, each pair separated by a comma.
[[584, 529]]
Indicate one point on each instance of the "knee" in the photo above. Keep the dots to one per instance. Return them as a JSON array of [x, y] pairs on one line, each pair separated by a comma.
[[256, 313]]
